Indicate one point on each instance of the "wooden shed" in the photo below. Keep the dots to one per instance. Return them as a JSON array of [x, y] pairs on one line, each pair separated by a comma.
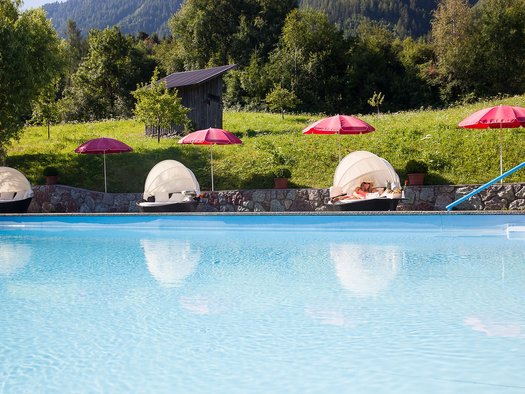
[[201, 92]]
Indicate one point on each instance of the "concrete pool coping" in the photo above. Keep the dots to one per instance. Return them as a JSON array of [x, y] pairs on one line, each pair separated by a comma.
[[473, 223]]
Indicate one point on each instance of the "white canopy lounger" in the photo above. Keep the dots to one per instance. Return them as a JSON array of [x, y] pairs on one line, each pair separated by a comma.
[[362, 166], [15, 191], [170, 187]]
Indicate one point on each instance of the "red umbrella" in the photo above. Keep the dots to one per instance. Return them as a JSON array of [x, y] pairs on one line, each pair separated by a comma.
[[499, 117], [210, 137], [102, 146], [339, 124]]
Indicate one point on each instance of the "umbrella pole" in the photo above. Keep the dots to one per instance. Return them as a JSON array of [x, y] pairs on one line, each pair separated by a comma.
[[500, 153], [211, 161], [105, 183], [339, 144]]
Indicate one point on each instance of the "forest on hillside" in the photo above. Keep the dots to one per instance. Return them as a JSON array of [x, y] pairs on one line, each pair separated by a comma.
[[407, 18], [132, 16], [289, 59]]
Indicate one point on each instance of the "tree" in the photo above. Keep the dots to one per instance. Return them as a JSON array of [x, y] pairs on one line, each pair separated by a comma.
[[158, 107], [417, 58], [30, 58], [376, 100], [374, 65], [217, 32], [112, 68], [497, 52], [281, 99], [451, 35], [76, 45], [310, 60], [46, 109]]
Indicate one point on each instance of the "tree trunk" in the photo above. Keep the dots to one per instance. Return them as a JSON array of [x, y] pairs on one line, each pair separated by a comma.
[[158, 134], [48, 130]]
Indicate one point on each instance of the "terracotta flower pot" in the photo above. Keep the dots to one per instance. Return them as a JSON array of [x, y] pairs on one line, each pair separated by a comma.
[[51, 179], [416, 179], [281, 183]]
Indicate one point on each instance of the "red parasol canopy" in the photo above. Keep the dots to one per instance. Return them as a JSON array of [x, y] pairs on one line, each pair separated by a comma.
[[210, 137], [499, 117], [339, 124], [103, 145], [502, 116]]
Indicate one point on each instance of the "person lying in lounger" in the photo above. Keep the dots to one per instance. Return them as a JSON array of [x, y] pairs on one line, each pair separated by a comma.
[[365, 190], [366, 187]]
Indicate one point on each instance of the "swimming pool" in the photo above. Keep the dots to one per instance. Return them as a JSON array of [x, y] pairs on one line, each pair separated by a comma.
[[262, 303]]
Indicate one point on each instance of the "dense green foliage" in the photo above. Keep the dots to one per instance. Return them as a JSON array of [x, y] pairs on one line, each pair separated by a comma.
[[213, 33], [479, 50], [101, 86], [405, 17], [132, 16], [453, 155], [30, 58]]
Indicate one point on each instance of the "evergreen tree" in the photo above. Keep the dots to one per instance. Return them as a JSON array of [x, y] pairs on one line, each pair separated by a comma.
[[76, 45], [451, 38]]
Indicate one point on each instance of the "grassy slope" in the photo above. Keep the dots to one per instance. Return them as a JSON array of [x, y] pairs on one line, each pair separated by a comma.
[[455, 156]]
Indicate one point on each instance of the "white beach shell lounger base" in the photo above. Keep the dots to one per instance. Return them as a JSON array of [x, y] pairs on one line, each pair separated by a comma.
[[170, 187]]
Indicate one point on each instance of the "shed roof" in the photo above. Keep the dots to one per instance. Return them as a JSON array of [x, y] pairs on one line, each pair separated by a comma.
[[195, 77]]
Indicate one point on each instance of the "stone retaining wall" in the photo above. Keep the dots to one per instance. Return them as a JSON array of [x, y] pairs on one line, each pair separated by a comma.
[[59, 198], [437, 197]]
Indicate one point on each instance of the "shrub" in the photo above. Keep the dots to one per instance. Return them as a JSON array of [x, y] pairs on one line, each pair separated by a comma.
[[416, 167], [50, 171], [282, 172]]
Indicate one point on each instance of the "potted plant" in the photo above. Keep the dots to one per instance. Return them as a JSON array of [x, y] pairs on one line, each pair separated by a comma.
[[281, 176], [416, 171], [51, 174]]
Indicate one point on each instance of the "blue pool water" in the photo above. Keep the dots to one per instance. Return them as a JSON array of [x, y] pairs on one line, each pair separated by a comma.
[[284, 304]]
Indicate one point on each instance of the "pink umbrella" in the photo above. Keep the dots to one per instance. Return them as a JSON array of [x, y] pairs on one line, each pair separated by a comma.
[[499, 117], [102, 146], [339, 124], [210, 137]]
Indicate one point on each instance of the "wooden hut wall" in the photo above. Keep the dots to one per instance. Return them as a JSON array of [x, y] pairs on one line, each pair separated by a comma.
[[205, 102]]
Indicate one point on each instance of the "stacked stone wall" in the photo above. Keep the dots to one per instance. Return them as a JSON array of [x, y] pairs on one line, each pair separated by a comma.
[[66, 199]]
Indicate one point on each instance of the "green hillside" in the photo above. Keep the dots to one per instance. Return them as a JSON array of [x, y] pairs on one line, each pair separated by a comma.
[[455, 156], [132, 16]]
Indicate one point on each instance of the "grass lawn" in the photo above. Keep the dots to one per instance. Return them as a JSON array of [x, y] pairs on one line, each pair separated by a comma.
[[454, 155]]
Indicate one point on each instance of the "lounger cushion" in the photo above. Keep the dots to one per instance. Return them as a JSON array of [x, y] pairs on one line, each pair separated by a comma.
[[176, 197], [162, 197], [7, 195]]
